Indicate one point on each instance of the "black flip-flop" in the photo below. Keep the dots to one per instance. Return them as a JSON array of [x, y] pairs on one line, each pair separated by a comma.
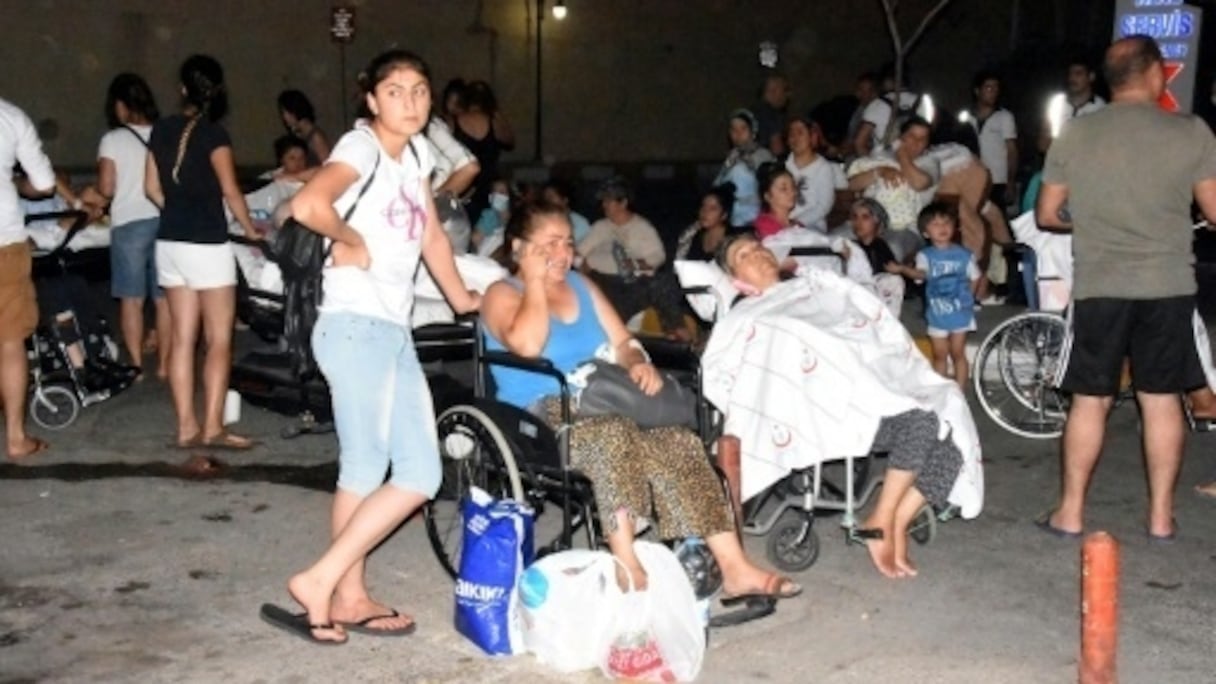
[[297, 624], [1044, 524], [770, 592], [362, 626], [756, 607]]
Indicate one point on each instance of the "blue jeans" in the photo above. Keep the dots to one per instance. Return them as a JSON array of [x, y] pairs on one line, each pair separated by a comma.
[[133, 259], [382, 404]]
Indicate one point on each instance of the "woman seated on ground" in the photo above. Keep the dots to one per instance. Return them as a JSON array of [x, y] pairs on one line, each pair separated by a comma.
[[921, 468], [700, 241], [546, 310]]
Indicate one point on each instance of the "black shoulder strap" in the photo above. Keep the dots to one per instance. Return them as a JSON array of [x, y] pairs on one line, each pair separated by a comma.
[[351, 212], [138, 137]]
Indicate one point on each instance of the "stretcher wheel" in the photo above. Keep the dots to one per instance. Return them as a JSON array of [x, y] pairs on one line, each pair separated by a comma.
[[924, 526], [473, 453], [793, 544], [54, 407]]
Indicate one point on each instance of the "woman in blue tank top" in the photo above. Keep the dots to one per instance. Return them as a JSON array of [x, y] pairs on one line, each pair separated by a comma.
[[547, 311]]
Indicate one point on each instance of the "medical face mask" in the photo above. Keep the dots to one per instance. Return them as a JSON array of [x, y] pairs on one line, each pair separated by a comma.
[[499, 201]]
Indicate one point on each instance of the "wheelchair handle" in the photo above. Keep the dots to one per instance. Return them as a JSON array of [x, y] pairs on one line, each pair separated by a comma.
[[259, 243], [542, 366]]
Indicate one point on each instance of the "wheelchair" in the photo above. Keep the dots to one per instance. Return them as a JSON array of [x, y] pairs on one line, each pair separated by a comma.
[[1015, 374], [512, 454]]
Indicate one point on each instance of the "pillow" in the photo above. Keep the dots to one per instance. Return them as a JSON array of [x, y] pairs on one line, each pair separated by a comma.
[[722, 292]]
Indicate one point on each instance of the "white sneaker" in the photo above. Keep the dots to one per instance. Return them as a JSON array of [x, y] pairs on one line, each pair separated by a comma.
[[992, 300]]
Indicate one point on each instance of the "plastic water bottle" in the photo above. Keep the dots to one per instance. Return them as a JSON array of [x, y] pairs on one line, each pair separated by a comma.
[[623, 266]]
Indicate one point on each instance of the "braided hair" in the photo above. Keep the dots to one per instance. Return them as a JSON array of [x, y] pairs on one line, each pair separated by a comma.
[[203, 80]]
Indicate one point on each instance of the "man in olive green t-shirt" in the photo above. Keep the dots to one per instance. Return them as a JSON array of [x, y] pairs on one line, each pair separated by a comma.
[[1122, 180]]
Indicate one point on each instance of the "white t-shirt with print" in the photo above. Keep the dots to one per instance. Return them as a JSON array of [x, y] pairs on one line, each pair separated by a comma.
[[816, 184], [130, 157], [391, 217], [993, 132], [449, 154]]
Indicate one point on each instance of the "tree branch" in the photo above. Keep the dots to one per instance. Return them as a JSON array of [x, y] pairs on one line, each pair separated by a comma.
[[924, 23], [888, 7]]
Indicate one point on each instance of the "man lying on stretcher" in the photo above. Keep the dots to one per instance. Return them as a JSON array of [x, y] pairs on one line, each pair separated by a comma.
[[814, 369]]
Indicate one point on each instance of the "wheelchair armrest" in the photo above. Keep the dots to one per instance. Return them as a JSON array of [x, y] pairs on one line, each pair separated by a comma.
[[670, 354], [696, 290], [807, 251], [542, 366]]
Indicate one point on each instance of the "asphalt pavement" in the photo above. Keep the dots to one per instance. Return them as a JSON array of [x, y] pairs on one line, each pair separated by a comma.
[[115, 568]]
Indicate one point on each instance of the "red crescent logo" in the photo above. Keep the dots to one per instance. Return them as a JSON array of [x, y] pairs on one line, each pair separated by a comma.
[[751, 332], [777, 440], [814, 363]]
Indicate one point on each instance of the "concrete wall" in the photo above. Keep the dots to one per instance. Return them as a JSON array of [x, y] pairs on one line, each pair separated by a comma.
[[624, 79]]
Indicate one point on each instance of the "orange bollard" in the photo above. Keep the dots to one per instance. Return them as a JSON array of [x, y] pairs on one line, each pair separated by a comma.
[[729, 461], [1099, 609]]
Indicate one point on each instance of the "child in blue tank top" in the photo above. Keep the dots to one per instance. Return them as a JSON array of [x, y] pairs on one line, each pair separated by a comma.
[[950, 275]]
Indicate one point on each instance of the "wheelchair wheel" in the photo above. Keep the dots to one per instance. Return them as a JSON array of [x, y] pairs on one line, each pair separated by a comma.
[[793, 544], [473, 453], [54, 407], [923, 529], [1014, 375]]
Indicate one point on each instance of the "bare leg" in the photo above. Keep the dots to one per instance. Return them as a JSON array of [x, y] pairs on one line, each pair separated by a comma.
[[1164, 436], [164, 337], [184, 305], [620, 543], [958, 356], [1082, 444], [372, 520], [909, 507], [941, 352], [219, 310], [14, 382], [739, 574], [131, 322], [895, 485], [351, 601]]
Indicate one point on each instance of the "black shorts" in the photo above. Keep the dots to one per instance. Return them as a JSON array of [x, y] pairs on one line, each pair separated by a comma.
[[1158, 335]]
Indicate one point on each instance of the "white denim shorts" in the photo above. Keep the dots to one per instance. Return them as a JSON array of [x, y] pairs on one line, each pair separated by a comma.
[[198, 267]]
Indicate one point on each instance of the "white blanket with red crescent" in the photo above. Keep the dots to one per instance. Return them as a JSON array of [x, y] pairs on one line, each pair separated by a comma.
[[805, 371]]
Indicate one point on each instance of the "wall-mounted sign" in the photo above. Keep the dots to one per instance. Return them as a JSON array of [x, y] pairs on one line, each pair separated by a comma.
[[342, 24], [1176, 27]]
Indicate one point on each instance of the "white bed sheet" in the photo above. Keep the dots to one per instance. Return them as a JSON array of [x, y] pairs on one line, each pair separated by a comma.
[[805, 372]]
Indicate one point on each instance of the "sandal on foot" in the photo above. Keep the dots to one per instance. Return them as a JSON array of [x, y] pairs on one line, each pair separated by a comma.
[[1044, 524], [755, 609], [36, 446], [226, 441], [364, 626], [297, 624], [776, 587]]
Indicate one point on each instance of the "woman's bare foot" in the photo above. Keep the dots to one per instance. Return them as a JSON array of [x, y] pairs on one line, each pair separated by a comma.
[[26, 447], [368, 614], [903, 563], [315, 600], [882, 550], [1206, 489]]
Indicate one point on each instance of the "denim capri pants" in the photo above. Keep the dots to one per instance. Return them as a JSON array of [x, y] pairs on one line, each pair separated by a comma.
[[382, 404], [133, 260]]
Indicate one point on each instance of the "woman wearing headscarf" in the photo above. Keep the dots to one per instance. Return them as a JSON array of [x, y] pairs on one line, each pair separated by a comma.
[[745, 156]]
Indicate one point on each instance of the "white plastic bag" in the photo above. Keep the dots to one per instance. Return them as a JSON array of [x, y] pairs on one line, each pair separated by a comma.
[[655, 635], [566, 600]]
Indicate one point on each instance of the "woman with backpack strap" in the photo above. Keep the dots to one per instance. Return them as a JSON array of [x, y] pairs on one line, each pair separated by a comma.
[[363, 343], [121, 162]]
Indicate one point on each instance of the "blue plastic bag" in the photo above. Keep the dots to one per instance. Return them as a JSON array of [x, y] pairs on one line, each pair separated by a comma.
[[496, 548]]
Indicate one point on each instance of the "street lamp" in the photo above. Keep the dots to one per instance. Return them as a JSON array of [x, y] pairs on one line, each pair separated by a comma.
[[559, 13]]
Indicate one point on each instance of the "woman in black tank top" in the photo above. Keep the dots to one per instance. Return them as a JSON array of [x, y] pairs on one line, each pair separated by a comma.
[[486, 133]]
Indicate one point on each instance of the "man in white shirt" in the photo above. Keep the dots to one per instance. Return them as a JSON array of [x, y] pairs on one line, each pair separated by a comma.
[[998, 137], [876, 131], [622, 253], [19, 144], [1079, 100]]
